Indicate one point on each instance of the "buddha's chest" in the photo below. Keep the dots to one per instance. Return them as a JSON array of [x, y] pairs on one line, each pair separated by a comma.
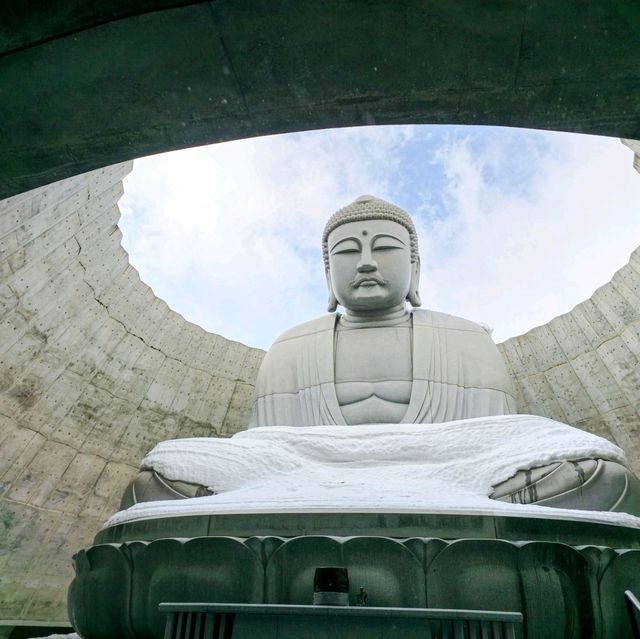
[[373, 373]]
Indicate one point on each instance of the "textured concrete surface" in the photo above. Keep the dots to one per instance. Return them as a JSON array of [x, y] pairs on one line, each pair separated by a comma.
[[94, 370], [583, 367], [88, 83]]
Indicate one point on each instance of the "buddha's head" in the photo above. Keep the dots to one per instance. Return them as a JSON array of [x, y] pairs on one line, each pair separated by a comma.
[[371, 259]]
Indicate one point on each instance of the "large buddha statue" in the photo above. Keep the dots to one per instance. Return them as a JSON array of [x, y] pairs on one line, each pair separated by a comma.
[[378, 362]]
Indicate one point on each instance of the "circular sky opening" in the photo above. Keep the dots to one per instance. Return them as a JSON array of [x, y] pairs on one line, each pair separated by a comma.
[[516, 226]]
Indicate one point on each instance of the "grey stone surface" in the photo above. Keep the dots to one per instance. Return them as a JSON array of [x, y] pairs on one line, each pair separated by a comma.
[[67, 66], [564, 588], [587, 484], [94, 370]]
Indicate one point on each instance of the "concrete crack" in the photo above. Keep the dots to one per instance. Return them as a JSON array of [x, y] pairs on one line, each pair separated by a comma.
[[217, 374]]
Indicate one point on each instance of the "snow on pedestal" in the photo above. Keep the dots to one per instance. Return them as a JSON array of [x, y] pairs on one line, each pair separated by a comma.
[[437, 468]]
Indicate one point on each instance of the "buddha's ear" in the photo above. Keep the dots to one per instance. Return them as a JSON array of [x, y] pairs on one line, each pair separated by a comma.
[[414, 292], [332, 304]]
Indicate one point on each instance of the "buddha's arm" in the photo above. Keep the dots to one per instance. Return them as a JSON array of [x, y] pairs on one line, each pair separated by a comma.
[[586, 484], [150, 485]]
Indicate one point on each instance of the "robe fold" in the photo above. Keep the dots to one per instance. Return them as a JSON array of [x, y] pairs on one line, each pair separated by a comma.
[[458, 373]]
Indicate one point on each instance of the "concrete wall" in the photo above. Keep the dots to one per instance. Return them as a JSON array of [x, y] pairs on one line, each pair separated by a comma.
[[94, 370], [583, 367]]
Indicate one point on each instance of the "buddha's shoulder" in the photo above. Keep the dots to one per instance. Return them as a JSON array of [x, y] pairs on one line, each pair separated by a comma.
[[437, 320], [307, 329], [279, 369]]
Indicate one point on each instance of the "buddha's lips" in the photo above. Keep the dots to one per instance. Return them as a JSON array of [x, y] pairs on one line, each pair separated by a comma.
[[364, 279]]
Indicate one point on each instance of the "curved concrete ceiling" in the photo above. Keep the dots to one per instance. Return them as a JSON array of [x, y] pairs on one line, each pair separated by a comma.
[[88, 84]]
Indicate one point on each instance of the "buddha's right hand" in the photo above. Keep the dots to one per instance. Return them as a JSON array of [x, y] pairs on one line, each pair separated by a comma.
[[585, 484], [149, 485]]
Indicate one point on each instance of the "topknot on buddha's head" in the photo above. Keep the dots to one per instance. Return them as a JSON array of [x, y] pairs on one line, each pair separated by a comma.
[[367, 207]]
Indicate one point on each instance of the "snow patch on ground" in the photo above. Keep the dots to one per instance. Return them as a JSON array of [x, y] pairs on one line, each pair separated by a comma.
[[436, 468]]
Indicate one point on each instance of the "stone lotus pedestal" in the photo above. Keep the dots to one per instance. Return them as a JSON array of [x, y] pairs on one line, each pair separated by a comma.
[[566, 577], [403, 507]]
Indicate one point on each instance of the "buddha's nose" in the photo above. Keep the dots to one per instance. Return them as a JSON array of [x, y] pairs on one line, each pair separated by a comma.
[[366, 266]]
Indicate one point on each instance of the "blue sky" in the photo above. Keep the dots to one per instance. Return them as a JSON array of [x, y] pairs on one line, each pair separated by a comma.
[[516, 226]]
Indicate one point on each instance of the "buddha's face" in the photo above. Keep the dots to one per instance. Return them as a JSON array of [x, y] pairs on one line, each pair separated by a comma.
[[370, 264]]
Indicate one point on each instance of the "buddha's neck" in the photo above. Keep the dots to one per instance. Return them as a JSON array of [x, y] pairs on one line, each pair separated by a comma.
[[386, 317]]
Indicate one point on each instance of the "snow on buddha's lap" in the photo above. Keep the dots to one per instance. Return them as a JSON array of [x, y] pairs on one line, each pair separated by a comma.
[[448, 467]]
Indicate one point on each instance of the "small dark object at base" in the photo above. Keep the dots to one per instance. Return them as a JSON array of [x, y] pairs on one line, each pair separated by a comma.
[[361, 599], [331, 587]]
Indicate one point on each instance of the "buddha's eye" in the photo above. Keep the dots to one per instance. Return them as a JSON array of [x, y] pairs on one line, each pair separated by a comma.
[[345, 246], [386, 242], [383, 247]]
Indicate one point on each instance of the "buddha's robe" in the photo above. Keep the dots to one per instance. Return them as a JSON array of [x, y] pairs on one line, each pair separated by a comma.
[[458, 373]]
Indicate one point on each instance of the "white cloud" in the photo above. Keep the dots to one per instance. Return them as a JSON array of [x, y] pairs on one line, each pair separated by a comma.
[[516, 259], [519, 227]]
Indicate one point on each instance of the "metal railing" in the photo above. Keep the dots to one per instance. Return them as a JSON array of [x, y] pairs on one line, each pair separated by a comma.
[[217, 620]]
